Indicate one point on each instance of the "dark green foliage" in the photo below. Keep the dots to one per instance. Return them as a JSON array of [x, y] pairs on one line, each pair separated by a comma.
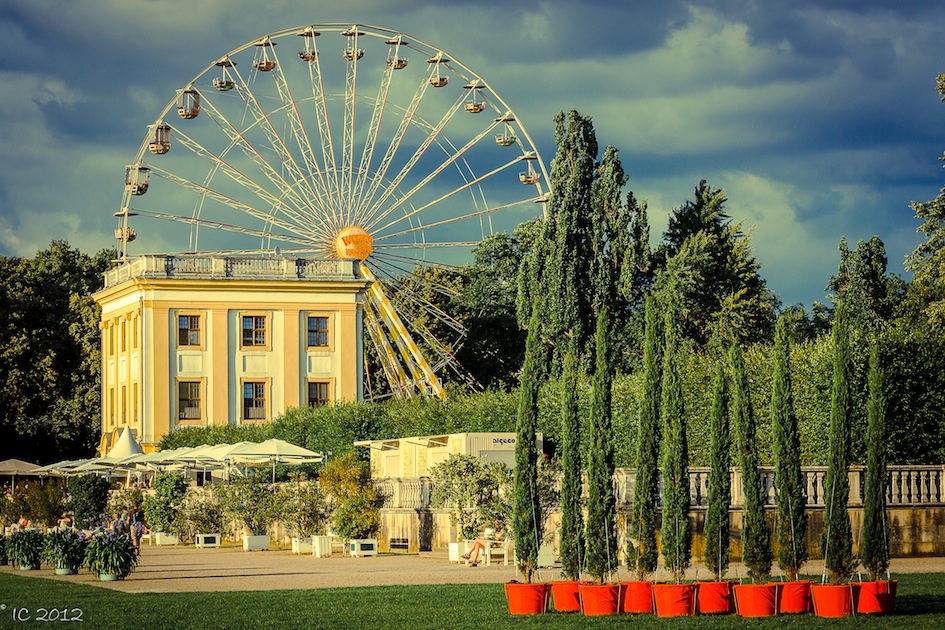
[[571, 535], [642, 558], [163, 510], [601, 506], [789, 482], [468, 487], [47, 502], [88, 497], [756, 542], [675, 535], [862, 284], [874, 552], [720, 482], [837, 538], [356, 497], [527, 518]]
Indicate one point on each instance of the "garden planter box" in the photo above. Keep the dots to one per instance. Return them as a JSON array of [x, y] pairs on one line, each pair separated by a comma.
[[162, 538], [457, 549], [302, 545], [600, 599], [636, 597], [675, 600], [794, 597], [832, 600], [565, 596], [360, 547], [756, 600], [715, 598], [256, 543], [876, 597], [321, 546], [527, 599], [207, 540]]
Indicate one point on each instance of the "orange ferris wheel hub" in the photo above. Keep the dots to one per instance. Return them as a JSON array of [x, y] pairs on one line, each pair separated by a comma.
[[354, 242]]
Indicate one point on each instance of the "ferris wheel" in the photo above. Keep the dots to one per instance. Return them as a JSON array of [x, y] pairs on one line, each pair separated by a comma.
[[341, 141]]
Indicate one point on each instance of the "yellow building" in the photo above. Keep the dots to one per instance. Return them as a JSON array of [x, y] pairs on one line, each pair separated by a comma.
[[200, 340]]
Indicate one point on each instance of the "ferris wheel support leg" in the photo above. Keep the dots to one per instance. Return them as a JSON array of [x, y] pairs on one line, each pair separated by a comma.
[[402, 336], [393, 370]]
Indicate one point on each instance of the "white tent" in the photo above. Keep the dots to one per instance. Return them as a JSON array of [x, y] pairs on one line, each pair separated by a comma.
[[125, 446]]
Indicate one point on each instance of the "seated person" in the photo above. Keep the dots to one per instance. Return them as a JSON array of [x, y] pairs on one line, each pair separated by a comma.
[[489, 535]]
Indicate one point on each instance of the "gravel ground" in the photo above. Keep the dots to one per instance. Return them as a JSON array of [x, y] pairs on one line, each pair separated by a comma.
[[185, 568]]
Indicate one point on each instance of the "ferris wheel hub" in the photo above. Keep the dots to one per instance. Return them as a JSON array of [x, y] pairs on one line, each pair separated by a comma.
[[354, 242]]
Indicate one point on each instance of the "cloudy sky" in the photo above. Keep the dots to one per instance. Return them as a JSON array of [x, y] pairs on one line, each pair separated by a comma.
[[818, 117]]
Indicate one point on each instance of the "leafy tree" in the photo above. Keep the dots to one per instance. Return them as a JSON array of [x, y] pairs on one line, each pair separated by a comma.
[[874, 552], [755, 537], [356, 497], [788, 479], [642, 559], [837, 538], [527, 517], [47, 502], [675, 534], [88, 497], [720, 490], [601, 505], [572, 507], [466, 485], [164, 509], [870, 294]]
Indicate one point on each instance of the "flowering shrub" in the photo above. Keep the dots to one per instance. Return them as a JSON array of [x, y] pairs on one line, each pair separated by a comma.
[[64, 548], [111, 552], [25, 547]]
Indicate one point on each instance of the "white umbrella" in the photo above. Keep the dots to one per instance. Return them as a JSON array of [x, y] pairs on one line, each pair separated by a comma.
[[273, 451]]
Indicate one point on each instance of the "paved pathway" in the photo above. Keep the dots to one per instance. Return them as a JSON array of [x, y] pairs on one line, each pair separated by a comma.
[[185, 568]]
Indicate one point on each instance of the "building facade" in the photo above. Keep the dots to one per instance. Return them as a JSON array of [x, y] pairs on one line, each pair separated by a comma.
[[199, 341]]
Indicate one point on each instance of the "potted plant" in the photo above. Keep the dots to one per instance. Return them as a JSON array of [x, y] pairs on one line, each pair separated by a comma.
[[602, 597], [758, 599], [643, 556], [356, 518], [110, 554], [163, 508], [528, 519], [794, 594], [64, 548], [466, 486], [255, 503], [717, 596], [306, 511], [835, 599], [204, 517], [876, 595], [675, 599], [25, 548]]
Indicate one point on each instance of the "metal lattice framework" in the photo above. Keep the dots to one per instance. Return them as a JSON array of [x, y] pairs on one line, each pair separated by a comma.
[[297, 153]]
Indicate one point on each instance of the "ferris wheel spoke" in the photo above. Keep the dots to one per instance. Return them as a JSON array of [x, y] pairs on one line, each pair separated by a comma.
[[246, 182], [352, 53], [367, 153], [225, 227], [471, 215]]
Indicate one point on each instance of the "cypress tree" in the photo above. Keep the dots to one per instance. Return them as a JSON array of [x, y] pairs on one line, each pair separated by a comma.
[[527, 518], [572, 522], [756, 540], [788, 479], [875, 550], [675, 535], [642, 559], [720, 483], [601, 505], [837, 538]]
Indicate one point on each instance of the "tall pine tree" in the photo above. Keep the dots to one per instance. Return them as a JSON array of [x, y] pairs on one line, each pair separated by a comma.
[[837, 537], [756, 540], [675, 534], [788, 479], [642, 558], [874, 553], [720, 483]]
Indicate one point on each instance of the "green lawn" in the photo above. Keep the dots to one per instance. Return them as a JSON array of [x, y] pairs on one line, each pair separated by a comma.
[[921, 603]]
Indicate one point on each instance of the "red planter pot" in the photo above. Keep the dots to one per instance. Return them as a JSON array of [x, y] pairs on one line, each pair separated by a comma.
[[876, 597], [675, 600], [527, 599], [636, 597], [600, 599], [565, 596], [756, 600], [832, 600], [714, 598], [794, 597]]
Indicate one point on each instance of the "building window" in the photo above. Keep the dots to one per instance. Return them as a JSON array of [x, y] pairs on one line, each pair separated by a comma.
[[254, 330], [124, 335], [188, 400], [318, 331], [254, 400], [188, 330], [319, 393]]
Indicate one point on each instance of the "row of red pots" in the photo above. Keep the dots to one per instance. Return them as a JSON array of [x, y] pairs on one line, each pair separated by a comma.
[[672, 600]]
